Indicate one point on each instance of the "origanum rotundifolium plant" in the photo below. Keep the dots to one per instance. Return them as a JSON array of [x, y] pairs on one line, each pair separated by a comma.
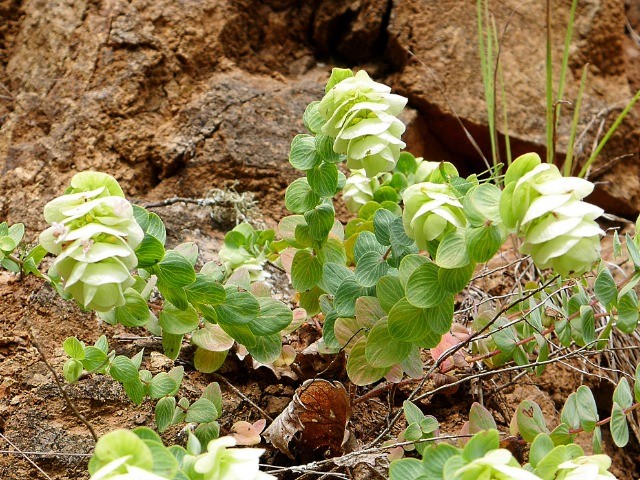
[[93, 235], [141, 455], [384, 286]]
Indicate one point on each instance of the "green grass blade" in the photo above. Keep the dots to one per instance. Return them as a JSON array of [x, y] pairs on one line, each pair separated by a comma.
[[610, 132], [549, 73], [568, 162], [485, 46], [503, 96], [565, 60]]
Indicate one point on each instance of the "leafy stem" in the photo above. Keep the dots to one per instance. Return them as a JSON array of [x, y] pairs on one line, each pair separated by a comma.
[[604, 421]]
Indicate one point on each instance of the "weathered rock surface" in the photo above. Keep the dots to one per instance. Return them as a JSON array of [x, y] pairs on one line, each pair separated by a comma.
[[443, 40], [178, 97]]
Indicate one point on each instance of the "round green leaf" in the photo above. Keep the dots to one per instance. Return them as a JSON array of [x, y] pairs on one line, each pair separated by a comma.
[[619, 427], [320, 221], [238, 308], [306, 270], [303, 155], [312, 118], [178, 322], [407, 322], [299, 197], [72, 370], [123, 370], [274, 317], [175, 270], [452, 251], [162, 385], [455, 280], [370, 268], [359, 370], [165, 408], [207, 361], [74, 348], [201, 411], [483, 242], [383, 350], [389, 291], [424, 289], [205, 290], [323, 179], [267, 348]]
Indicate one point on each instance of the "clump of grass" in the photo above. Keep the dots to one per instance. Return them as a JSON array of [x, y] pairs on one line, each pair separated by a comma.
[[493, 80]]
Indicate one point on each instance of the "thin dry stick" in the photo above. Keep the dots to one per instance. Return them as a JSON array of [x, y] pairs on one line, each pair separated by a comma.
[[219, 377], [25, 456], [347, 457], [46, 454], [71, 405]]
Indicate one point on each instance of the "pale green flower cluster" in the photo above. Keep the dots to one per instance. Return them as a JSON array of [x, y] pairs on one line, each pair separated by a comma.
[[122, 455], [593, 467], [223, 463], [240, 257], [495, 465], [358, 190], [423, 171], [93, 233], [547, 210], [360, 115], [431, 210]]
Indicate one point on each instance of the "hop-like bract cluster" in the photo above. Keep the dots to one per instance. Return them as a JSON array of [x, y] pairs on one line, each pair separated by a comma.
[[93, 233], [588, 466], [431, 210], [360, 115], [546, 209], [358, 190], [495, 465], [223, 463]]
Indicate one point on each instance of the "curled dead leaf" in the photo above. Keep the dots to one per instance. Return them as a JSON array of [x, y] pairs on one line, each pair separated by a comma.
[[316, 417]]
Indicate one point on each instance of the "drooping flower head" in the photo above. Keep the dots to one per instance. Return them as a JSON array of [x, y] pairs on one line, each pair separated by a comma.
[[431, 210], [93, 233], [547, 210], [221, 462], [360, 115], [591, 467], [358, 190], [122, 455], [495, 465]]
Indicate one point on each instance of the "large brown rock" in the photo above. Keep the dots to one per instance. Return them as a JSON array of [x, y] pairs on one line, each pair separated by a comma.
[[178, 97], [151, 92]]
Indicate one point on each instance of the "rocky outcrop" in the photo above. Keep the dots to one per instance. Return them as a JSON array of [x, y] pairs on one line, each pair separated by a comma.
[[178, 97], [434, 47]]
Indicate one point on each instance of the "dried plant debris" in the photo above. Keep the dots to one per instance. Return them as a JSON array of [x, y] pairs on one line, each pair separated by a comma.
[[315, 420]]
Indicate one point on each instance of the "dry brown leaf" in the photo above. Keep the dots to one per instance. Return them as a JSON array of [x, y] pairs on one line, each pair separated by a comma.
[[317, 417]]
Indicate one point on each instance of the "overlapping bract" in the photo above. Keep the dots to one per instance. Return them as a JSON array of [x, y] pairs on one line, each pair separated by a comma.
[[223, 463], [591, 467], [358, 190], [93, 233], [123, 455], [360, 115], [495, 465], [547, 210], [431, 210]]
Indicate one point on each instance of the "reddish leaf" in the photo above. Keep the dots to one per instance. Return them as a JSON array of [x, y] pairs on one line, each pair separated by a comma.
[[447, 342]]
